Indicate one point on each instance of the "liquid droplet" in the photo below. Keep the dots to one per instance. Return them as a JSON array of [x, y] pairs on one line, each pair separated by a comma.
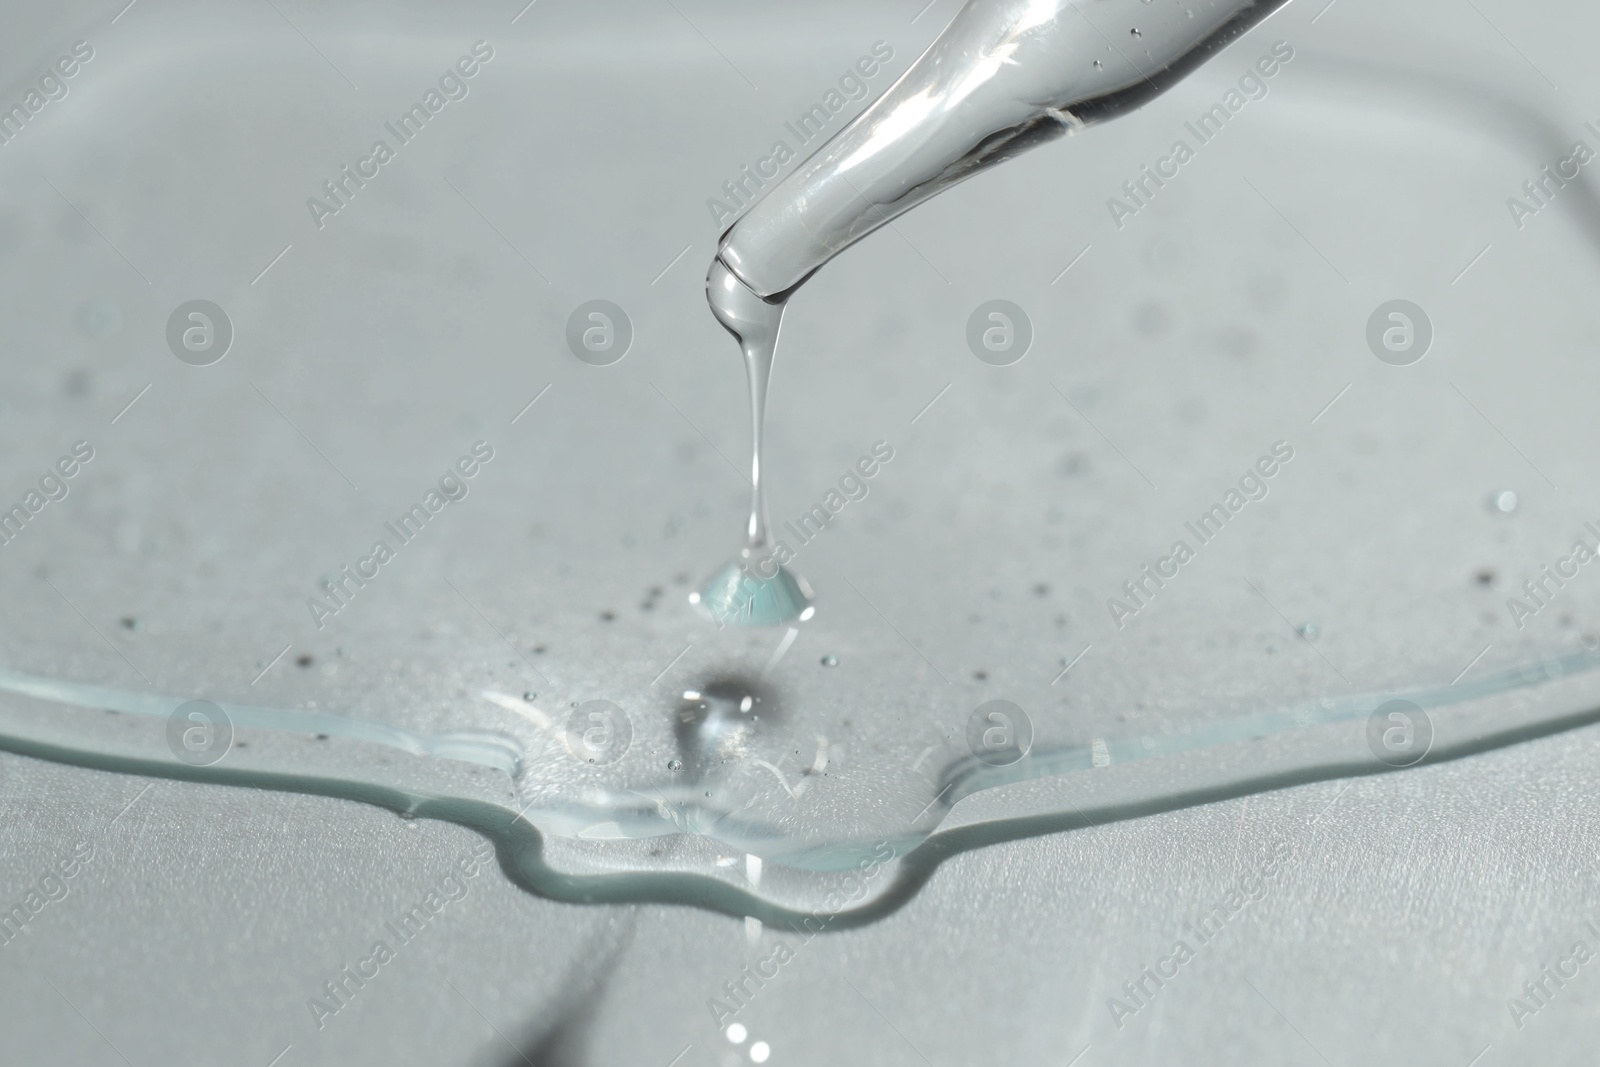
[[530, 696], [1135, 32], [753, 589], [736, 594], [714, 722], [830, 660], [1504, 502], [1099, 65], [674, 764]]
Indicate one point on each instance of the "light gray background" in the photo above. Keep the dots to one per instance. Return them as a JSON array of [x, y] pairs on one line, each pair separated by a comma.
[[1415, 905]]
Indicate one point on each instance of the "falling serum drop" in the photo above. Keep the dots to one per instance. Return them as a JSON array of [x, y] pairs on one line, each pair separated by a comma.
[[753, 588]]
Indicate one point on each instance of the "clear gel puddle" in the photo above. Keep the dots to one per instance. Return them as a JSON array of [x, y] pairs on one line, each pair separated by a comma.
[[748, 789]]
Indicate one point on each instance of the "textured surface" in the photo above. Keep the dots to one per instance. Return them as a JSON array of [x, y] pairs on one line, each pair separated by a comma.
[[369, 357]]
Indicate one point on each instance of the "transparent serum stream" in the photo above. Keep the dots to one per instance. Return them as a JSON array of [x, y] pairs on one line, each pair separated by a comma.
[[754, 588]]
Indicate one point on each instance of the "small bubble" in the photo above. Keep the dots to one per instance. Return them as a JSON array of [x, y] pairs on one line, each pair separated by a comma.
[[674, 764], [608, 616], [1504, 502], [303, 661], [1486, 576], [1309, 630], [1135, 32], [830, 660], [530, 696], [1099, 65], [131, 623]]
